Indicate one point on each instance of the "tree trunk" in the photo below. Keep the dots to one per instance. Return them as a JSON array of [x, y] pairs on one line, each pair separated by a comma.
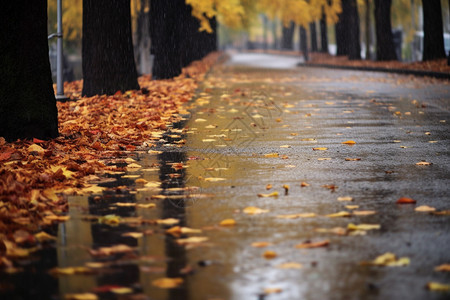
[[287, 37], [367, 29], [354, 51], [385, 41], [27, 101], [323, 32], [313, 32], [165, 35], [433, 40], [341, 30], [107, 50], [304, 42]]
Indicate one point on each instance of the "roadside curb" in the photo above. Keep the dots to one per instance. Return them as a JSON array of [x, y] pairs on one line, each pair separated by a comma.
[[438, 75]]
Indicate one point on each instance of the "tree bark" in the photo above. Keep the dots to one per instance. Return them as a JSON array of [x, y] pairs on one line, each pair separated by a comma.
[[385, 40], [107, 50], [354, 51], [433, 40], [27, 101], [323, 32], [313, 33], [165, 36], [304, 42], [367, 29], [287, 37], [347, 31]]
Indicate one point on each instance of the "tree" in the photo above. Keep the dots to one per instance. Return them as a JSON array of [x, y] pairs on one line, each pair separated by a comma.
[[27, 101], [164, 32], [313, 33], [383, 29], [303, 42], [433, 40], [347, 31], [323, 32], [288, 36], [107, 48]]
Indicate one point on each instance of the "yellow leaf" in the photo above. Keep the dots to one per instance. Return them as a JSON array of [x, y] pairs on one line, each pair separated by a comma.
[[290, 265], [252, 210], [109, 219], [268, 291], [147, 205], [44, 236], [389, 260], [350, 142], [167, 283], [192, 240], [268, 254], [82, 296], [274, 194], [363, 212], [36, 148], [320, 149], [295, 216], [168, 221], [261, 244], [352, 206], [227, 222], [436, 286], [272, 154], [304, 184], [425, 208], [141, 181], [70, 271], [443, 268], [50, 195], [339, 214], [214, 179], [345, 198], [122, 290], [133, 167], [365, 227], [423, 163], [135, 235]]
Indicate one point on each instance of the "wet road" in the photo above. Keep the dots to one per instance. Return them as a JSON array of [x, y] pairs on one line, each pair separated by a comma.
[[254, 125]]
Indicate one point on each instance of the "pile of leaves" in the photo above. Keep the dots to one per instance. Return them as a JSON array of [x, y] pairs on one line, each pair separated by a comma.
[[439, 65], [36, 175]]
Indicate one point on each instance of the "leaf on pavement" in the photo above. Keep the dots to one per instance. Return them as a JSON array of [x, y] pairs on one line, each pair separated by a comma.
[[345, 198], [81, 296], [261, 244], [269, 254], [273, 194], [424, 163], [268, 155], [388, 260], [350, 142], [268, 291], [310, 244], [252, 210], [436, 286], [406, 200], [227, 222], [320, 148], [295, 216], [168, 283], [341, 214], [364, 227], [168, 221], [192, 240], [425, 208], [443, 268], [290, 265]]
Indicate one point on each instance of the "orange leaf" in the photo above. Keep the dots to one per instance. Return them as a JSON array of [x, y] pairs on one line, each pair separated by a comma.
[[405, 200]]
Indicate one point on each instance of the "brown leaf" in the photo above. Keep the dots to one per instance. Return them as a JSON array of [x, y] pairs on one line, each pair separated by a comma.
[[406, 200], [310, 244]]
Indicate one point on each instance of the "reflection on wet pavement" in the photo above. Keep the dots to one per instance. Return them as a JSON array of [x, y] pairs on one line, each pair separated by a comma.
[[250, 128]]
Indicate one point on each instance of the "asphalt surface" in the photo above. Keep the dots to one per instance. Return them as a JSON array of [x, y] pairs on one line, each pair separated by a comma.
[[259, 120]]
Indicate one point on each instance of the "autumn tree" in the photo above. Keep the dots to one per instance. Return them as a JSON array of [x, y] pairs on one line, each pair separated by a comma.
[[27, 101], [287, 36], [433, 41], [107, 48], [313, 33], [347, 31], [383, 28]]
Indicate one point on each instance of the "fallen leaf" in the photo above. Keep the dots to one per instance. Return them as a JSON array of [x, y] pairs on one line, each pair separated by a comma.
[[168, 283], [261, 244], [214, 179], [324, 158], [340, 214], [345, 198], [192, 240], [136, 235], [109, 220], [334, 230], [423, 163], [81, 296], [389, 260], [353, 159], [273, 194], [441, 213], [350, 142], [44, 236], [295, 216], [168, 221], [436, 286], [363, 212], [352, 206], [36, 148], [133, 167], [268, 254], [71, 271], [320, 149], [425, 208], [122, 290], [304, 184], [252, 210], [364, 227], [406, 200], [290, 265], [268, 186], [271, 155], [268, 291], [227, 222], [310, 244], [443, 268]]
